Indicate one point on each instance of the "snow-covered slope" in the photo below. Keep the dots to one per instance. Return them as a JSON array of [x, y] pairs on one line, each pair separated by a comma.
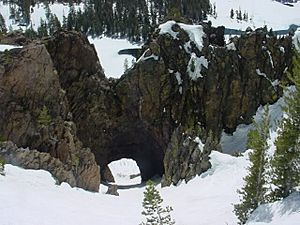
[[31, 198], [107, 50], [261, 12], [282, 212]]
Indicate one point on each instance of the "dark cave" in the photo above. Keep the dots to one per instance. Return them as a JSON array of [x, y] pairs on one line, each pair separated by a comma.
[[140, 146]]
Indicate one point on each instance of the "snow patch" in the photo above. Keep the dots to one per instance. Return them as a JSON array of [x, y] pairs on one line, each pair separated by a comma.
[[296, 40], [200, 144], [271, 59], [8, 47], [195, 66], [125, 172], [144, 58], [281, 48], [274, 83], [231, 47], [195, 32], [107, 50], [286, 211]]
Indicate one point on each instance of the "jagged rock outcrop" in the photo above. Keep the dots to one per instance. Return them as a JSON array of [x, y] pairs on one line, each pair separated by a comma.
[[33, 159], [167, 112], [139, 115], [29, 84]]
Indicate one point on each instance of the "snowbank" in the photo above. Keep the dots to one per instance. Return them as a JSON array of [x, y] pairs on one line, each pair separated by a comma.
[[286, 211], [31, 198], [260, 12]]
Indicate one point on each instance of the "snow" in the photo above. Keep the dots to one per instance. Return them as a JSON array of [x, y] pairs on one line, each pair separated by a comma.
[[236, 142], [31, 197], [195, 32], [231, 47], [122, 170], [282, 49], [262, 12], [144, 58], [8, 47], [38, 13], [195, 66], [107, 50], [200, 144], [286, 211], [259, 73], [179, 81], [178, 78], [296, 40]]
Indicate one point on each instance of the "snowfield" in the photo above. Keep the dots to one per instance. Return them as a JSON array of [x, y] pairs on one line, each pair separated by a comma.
[[262, 12], [30, 197], [107, 50]]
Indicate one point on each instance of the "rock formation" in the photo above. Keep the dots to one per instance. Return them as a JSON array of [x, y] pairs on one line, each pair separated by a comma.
[[155, 111], [167, 112], [29, 83]]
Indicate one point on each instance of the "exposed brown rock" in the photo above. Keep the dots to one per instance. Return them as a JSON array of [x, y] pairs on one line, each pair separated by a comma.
[[29, 83], [149, 114]]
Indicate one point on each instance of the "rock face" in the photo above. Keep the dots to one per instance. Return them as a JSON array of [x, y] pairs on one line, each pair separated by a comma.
[[167, 112], [29, 83], [156, 111]]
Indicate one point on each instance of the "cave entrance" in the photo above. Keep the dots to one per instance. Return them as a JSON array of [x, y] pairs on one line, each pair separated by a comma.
[[125, 172], [140, 146]]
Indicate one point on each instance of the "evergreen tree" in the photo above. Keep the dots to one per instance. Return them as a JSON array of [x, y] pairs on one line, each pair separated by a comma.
[[253, 193], [44, 118], [231, 13], [2, 163], [153, 211], [2, 25], [286, 160]]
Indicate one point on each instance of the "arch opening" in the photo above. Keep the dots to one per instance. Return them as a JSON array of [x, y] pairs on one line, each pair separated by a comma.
[[139, 146], [125, 172]]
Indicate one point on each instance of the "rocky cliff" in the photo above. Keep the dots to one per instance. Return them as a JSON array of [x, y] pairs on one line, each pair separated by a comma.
[[34, 113], [167, 112]]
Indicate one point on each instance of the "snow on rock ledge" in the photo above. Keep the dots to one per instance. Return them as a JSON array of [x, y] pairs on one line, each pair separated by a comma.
[[296, 40], [195, 32], [195, 66], [196, 37]]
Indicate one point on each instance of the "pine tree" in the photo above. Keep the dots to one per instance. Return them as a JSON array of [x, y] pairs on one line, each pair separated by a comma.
[[231, 13], [153, 211], [44, 118], [286, 160], [2, 163], [253, 193]]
